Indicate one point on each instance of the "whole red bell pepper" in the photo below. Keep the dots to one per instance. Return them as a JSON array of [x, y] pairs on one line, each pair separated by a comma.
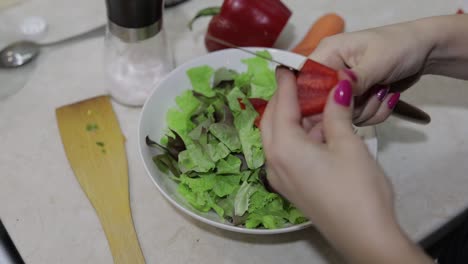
[[255, 23]]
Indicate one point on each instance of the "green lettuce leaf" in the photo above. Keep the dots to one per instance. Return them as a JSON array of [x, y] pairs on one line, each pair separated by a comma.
[[241, 202], [202, 201], [242, 81], [229, 165], [272, 216], [203, 183], [179, 118], [179, 122], [226, 185], [201, 130], [227, 203], [263, 87], [200, 78], [166, 163], [223, 75], [249, 136], [187, 102], [233, 99], [263, 80], [246, 175], [296, 216], [257, 64], [197, 200], [217, 151], [195, 158], [226, 134], [260, 199], [268, 221]]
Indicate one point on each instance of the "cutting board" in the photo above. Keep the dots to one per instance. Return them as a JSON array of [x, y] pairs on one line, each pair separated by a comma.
[[95, 148]]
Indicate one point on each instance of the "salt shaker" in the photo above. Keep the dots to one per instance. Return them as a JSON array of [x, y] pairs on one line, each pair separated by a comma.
[[136, 55]]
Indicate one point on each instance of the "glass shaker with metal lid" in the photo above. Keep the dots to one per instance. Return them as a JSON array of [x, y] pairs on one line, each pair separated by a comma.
[[136, 56]]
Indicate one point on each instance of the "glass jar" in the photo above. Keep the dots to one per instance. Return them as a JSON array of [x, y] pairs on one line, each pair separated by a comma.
[[136, 59]]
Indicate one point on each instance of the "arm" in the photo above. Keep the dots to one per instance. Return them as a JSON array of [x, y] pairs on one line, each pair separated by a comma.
[[335, 182], [395, 56], [449, 35], [379, 241]]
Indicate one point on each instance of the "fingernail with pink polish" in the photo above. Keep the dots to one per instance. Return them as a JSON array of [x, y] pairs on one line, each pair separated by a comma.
[[351, 74], [382, 91], [393, 100], [343, 93]]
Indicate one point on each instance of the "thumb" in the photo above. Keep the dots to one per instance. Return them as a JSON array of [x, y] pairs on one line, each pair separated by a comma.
[[337, 116]]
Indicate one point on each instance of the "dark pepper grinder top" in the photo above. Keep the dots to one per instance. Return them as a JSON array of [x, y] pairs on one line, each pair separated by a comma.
[[134, 20]]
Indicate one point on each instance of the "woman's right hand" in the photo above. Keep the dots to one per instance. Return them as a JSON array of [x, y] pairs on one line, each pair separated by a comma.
[[383, 62]]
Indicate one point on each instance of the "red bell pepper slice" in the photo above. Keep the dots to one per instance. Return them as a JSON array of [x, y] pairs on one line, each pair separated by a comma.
[[314, 83]]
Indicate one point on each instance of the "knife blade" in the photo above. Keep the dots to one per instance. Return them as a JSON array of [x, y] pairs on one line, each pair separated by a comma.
[[230, 45], [402, 109]]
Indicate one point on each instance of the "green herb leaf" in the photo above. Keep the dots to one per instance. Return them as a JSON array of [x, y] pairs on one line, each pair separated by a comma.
[[91, 127]]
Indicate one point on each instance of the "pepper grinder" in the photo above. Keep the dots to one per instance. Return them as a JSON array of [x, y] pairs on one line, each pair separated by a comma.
[[136, 55]]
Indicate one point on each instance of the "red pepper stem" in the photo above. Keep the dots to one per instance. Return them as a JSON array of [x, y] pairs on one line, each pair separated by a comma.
[[209, 11]]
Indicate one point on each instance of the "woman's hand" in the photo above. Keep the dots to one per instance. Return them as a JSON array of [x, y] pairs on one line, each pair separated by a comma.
[[385, 61], [377, 59], [336, 183]]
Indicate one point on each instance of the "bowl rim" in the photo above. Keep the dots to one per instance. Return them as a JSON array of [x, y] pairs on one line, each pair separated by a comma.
[[255, 231]]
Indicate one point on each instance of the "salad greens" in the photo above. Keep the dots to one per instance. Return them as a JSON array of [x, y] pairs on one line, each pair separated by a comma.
[[214, 152]]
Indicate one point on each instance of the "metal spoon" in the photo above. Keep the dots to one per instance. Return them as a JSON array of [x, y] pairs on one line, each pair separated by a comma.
[[20, 53]]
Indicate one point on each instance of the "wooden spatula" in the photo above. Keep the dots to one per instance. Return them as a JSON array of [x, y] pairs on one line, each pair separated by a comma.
[[94, 145]]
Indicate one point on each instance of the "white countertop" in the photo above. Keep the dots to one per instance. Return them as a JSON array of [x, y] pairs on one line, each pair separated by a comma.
[[51, 221]]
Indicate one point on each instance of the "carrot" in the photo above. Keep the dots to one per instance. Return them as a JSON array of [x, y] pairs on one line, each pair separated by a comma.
[[327, 25]]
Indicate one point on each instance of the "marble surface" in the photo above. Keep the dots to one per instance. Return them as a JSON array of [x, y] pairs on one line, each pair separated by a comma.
[[51, 221]]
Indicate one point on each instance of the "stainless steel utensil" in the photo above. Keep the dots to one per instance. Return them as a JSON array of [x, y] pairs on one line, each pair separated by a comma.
[[20, 53]]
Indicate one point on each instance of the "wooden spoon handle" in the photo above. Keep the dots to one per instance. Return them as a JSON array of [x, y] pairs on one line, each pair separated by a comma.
[[121, 235]]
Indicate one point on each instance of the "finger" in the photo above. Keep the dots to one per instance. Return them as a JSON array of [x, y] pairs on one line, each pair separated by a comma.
[[373, 104], [404, 84], [337, 118], [310, 121], [271, 181], [364, 74], [287, 115], [384, 111], [316, 133], [333, 61], [266, 124], [359, 102]]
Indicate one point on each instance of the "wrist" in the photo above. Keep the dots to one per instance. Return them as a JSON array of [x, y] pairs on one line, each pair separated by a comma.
[[446, 38], [373, 241]]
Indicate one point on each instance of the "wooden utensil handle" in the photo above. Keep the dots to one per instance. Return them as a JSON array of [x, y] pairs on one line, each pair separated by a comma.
[[120, 233]]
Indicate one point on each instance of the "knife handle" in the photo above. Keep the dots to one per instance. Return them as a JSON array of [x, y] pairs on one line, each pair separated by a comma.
[[411, 113]]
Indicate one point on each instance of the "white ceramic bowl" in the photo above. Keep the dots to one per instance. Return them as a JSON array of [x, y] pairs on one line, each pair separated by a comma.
[[152, 123]]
